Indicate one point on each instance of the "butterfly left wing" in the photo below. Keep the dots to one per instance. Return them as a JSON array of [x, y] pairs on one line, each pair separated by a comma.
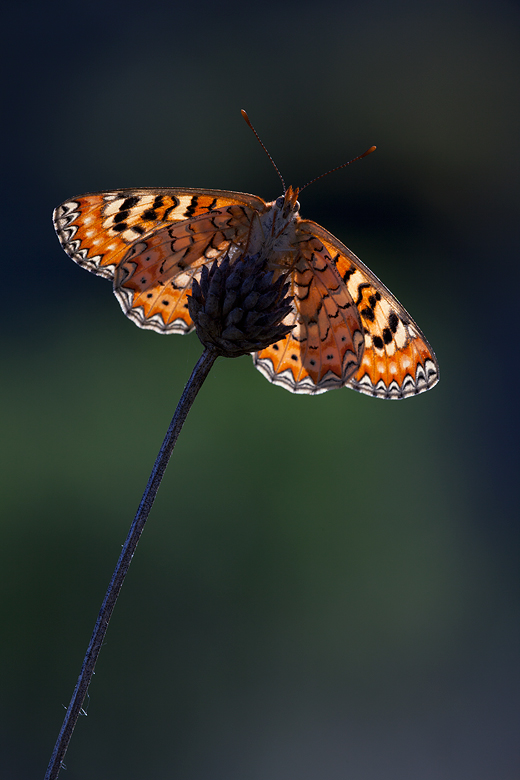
[[397, 360], [151, 242]]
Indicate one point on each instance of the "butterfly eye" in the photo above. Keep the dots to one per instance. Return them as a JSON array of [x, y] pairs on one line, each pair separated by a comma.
[[280, 201], [297, 205]]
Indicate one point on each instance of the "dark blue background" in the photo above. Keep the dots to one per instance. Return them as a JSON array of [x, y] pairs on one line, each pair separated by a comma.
[[328, 586]]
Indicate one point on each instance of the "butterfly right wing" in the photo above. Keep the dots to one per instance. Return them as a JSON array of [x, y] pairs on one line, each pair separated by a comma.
[[397, 360]]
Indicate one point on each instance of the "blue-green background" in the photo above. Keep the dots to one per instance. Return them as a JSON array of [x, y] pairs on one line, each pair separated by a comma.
[[327, 587]]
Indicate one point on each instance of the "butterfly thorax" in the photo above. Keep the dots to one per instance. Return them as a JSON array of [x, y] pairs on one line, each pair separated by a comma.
[[273, 233]]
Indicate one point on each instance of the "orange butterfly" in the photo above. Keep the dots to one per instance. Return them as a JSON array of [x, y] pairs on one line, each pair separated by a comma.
[[348, 329]]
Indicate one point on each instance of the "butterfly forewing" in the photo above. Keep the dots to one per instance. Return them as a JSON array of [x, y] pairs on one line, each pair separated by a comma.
[[96, 229]]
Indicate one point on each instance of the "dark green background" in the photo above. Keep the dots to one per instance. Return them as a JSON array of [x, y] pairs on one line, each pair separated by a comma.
[[328, 586]]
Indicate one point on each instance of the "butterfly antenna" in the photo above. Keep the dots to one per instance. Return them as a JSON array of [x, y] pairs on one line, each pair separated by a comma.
[[339, 167], [248, 122]]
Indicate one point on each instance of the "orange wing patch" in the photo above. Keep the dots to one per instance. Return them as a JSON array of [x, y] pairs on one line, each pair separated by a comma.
[[96, 230]]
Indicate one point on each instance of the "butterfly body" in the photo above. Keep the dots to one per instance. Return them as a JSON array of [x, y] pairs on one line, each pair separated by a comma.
[[347, 328]]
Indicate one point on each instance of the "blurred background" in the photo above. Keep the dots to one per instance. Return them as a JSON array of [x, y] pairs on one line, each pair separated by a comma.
[[327, 587]]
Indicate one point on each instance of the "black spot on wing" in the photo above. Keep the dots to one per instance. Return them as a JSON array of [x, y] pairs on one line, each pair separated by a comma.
[[167, 212], [387, 335], [360, 288], [129, 203], [191, 208], [348, 273]]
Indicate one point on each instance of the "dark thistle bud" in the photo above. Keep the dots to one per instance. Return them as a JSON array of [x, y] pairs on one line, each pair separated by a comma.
[[237, 308]]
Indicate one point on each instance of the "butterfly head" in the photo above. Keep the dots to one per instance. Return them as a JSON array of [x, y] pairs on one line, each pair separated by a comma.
[[288, 203]]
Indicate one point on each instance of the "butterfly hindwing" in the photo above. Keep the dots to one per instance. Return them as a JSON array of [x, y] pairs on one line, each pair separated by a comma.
[[154, 278], [325, 346]]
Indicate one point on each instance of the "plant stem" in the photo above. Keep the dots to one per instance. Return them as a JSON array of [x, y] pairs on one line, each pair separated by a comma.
[[193, 386]]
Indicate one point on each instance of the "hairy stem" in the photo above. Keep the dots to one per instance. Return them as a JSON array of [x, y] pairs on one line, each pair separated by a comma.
[[193, 386]]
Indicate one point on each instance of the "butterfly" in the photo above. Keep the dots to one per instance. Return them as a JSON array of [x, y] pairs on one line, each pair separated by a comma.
[[348, 330]]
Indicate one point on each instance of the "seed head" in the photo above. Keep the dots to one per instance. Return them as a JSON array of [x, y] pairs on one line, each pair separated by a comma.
[[237, 308]]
